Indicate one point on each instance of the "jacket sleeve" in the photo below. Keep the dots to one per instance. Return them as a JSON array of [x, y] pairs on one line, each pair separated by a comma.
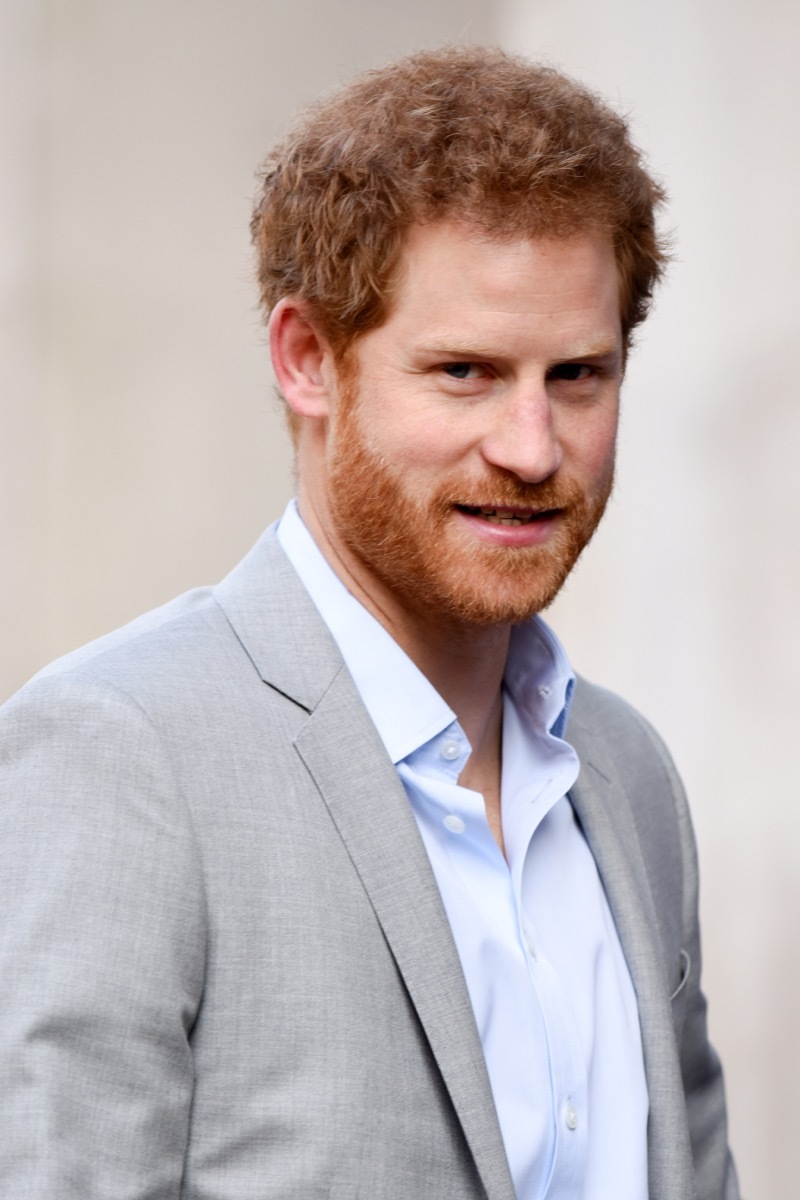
[[102, 933]]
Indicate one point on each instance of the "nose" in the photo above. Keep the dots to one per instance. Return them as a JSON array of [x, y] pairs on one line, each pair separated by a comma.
[[523, 437]]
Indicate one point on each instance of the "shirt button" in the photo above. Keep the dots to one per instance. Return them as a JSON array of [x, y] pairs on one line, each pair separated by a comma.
[[450, 750], [571, 1117], [454, 823]]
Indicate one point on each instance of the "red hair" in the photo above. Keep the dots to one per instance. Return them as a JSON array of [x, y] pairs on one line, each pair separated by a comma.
[[471, 134]]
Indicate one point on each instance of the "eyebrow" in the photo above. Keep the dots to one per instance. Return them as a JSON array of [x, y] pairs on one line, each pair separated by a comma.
[[598, 350], [454, 350]]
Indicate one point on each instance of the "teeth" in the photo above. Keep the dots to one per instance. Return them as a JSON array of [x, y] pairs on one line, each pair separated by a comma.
[[502, 516], [495, 518]]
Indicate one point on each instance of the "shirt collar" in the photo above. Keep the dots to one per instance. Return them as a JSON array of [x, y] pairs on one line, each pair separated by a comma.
[[539, 676], [404, 706]]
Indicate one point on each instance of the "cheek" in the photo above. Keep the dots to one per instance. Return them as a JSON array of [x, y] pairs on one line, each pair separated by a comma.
[[410, 437], [592, 445], [605, 448]]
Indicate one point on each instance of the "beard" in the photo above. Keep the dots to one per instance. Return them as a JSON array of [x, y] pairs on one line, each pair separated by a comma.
[[414, 547]]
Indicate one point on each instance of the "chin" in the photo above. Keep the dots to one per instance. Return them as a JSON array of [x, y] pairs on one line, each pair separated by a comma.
[[481, 587]]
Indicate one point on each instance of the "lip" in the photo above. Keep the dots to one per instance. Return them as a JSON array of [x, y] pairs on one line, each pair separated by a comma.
[[530, 533]]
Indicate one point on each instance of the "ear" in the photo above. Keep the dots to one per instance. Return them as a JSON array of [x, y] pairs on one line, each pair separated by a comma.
[[301, 358]]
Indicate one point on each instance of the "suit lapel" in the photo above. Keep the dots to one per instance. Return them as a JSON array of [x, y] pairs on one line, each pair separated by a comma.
[[604, 810], [280, 629]]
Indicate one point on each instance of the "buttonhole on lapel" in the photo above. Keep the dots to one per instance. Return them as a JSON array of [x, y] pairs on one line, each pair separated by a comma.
[[685, 966]]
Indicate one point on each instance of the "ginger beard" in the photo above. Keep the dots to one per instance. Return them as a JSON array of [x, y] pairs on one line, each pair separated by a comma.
[[414, 545]]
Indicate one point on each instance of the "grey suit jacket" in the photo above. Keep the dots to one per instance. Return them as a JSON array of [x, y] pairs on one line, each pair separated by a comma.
[[226, 969]]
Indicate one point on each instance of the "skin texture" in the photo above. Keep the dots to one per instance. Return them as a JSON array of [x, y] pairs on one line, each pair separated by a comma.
[[493, 384]]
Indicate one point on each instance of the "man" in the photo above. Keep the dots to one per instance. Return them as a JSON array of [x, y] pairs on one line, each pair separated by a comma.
[[331, 881]]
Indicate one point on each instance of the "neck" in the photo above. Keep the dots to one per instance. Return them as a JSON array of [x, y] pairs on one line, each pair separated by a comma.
[[464, 664]]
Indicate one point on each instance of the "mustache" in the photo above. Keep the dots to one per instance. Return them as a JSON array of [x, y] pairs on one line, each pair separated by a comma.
[[507, 491]]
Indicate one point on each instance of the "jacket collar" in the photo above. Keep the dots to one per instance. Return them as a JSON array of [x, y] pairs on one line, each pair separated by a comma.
[[277, 624]]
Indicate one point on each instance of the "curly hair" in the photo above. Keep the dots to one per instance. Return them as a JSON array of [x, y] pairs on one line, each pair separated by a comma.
[[473, 134]]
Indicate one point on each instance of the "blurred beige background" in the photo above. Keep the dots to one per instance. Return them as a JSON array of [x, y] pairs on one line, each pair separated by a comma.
[[142, 451]]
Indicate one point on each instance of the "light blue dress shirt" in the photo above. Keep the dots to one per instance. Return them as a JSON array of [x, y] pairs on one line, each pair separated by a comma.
[[551, 992]]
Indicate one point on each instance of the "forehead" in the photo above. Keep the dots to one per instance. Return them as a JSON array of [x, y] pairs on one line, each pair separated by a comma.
[[453, 275]]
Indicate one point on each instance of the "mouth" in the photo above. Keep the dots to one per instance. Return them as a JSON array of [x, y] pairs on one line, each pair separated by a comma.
[[508, 516]]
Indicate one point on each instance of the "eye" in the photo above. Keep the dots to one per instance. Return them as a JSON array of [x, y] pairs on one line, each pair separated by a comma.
[[461, 370], [570, 372]]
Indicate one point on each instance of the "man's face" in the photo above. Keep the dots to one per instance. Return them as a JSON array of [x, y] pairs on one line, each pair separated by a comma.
[[468, 462]]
